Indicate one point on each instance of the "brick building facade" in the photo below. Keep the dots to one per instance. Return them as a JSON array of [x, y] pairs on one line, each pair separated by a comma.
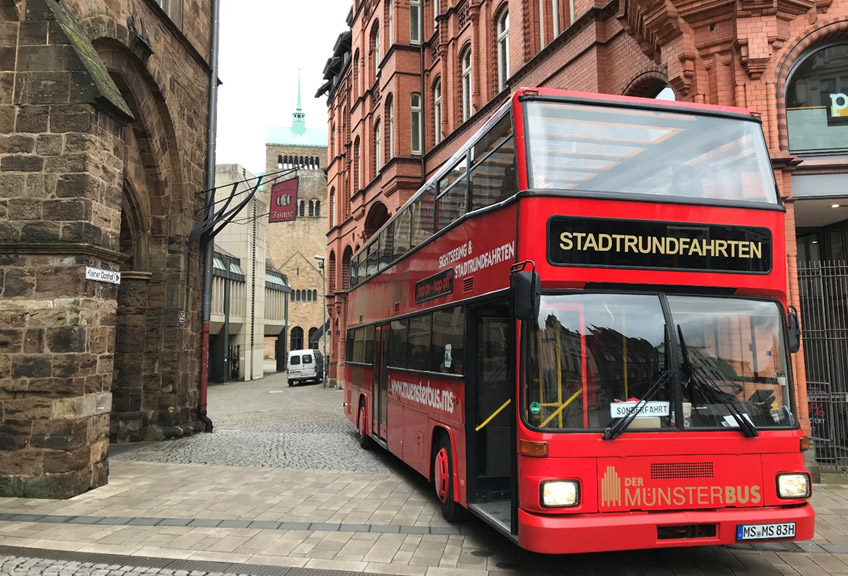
[[411, 79], [102, 146]]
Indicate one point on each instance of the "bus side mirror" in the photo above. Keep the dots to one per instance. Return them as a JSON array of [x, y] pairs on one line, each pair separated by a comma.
[[526, 292], [794, 329]]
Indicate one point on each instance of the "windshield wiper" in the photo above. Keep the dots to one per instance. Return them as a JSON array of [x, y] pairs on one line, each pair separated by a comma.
[[616, 429], [711, 392]]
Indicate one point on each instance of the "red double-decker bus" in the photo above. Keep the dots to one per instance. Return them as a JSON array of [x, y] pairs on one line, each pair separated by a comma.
[[578, 330]]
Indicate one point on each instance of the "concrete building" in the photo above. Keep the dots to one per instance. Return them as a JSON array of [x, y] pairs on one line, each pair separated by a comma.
[[249, 299], [409, 81], [299, 152], [103, 125]]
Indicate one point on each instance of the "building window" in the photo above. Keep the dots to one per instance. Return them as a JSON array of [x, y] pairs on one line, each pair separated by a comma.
[[416, 122], [572, 12], [390, 19], [357, 175], [331, 221], [415, 21], [435, 15], [503, 49], [331, 272], [378, 144], [302, 207], [555, 18], [317, 208], [437, 111], [174, 10], [311, 208], [356, 89], [466, 83], [390, 114], [817, 100], [375, 50]]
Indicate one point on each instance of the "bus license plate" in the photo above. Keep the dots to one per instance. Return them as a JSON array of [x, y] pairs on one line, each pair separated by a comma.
[[765, 531]]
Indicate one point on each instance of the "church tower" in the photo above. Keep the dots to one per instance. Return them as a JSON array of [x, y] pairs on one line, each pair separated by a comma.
[[299, 152]]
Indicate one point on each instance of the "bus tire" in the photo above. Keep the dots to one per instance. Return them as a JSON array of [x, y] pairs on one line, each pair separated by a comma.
[[364, 438], [443, 481]]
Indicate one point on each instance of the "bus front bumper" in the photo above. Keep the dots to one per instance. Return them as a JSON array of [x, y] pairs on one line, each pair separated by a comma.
[[637, 530]]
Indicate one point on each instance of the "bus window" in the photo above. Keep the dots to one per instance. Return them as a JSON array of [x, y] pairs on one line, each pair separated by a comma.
[[354, 270], [733, 350], [387, 241], [493, 178], [453, 195], [369, 344], [590, 355], [397, 343], [358, 346], [402, 230], [373, 257], [419, 342], [423, 217], [493, 138], [448, 340], [350, 346]]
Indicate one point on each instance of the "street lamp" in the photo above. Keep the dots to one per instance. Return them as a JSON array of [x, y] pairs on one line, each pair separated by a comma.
[[326, 361]]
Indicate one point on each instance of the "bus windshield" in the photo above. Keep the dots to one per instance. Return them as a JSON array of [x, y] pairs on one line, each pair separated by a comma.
[[591, 148], [592, 357]]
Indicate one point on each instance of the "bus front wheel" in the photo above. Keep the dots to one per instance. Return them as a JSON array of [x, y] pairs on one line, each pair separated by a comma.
[[443, 482]]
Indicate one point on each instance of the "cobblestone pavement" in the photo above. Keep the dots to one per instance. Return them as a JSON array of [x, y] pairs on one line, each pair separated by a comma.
[[282, 488]]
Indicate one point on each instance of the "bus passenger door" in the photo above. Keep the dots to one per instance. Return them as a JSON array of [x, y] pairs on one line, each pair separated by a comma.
[[379, 397], [491, 417]]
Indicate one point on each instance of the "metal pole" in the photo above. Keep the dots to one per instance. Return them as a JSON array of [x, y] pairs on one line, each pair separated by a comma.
[[210, 207]]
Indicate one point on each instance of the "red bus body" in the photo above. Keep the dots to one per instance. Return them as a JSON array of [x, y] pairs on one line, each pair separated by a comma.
[[675, 486]]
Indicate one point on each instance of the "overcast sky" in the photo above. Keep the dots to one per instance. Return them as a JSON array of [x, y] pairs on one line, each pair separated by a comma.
[[263, 43]]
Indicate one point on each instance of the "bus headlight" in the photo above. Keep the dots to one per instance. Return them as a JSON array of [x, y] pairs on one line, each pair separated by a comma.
[[560, 493], [793, 485]]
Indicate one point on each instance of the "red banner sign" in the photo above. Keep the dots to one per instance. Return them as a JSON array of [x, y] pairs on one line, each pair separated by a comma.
[[283, 201]]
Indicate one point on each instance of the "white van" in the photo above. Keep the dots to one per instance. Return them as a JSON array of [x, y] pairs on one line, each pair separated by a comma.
[[304, 365]]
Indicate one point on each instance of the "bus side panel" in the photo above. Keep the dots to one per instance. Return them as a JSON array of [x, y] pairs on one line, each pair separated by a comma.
[[416, 440], [395, 423]]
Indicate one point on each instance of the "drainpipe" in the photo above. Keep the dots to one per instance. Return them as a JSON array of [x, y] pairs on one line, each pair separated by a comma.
[[210, 208]]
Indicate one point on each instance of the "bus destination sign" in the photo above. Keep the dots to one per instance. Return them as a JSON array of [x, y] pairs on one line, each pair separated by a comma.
[[434, 286], [578, 241]]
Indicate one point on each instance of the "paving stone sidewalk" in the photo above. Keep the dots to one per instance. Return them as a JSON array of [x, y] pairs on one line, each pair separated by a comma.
[[281, 487]]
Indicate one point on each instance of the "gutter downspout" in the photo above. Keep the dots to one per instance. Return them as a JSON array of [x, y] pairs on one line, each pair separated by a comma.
[[210, 208]]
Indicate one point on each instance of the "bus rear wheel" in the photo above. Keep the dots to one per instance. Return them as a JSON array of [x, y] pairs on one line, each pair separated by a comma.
[[443, 482], [364, 438]]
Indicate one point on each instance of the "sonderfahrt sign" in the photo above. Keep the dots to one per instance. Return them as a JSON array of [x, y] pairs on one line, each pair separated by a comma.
[[283, 201]]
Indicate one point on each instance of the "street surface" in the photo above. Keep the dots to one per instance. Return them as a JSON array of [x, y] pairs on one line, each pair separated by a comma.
[[281, 487]]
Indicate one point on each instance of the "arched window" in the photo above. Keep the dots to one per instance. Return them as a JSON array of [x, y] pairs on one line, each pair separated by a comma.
[[390, 19], [503, 48], [331, 220], [415, 21], [437, 111], [317, 208], [356, 89], [465, 67], [302, 207], [375, 50], [435, 14], [331, 272], [311, 208], [346, 268], [378, 149], [817, 101], [313, 338], [390, 114], [357, 176], [296, 338], [415, 107], [315, 295]]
